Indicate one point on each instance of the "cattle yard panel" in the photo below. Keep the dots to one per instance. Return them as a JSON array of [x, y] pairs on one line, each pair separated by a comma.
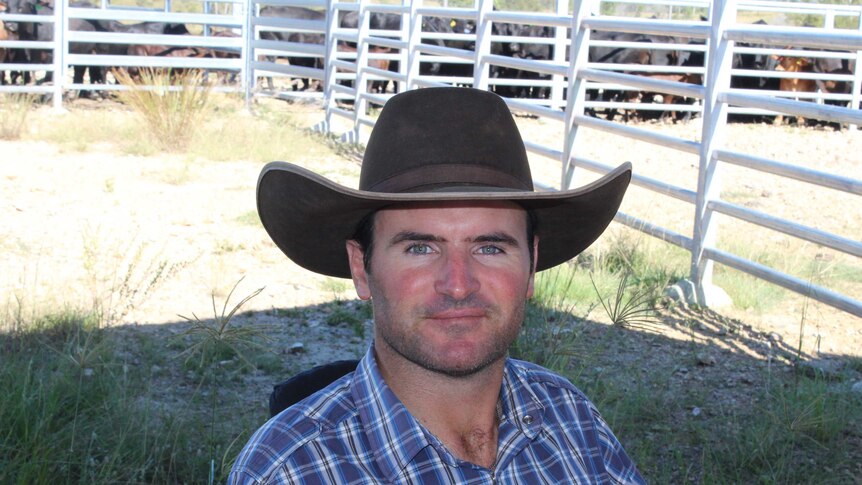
[[31, 68], [73, 48], [537, 83], [717, 96], [291, 49], [718, 39]]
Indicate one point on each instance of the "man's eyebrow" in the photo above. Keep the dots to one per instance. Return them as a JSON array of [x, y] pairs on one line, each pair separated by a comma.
[[498, 237], [412, 236]]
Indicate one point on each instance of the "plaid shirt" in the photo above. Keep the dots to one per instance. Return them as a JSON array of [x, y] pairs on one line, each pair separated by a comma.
[[357, 432]]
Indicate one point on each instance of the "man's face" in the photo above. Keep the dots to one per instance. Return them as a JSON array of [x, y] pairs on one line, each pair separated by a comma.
[[448, 282]]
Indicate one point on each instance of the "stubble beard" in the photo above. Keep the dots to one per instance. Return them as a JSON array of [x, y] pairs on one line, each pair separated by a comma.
[[411, 346]]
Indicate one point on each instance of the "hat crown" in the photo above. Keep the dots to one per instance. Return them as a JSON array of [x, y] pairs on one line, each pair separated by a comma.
[[472, 145]]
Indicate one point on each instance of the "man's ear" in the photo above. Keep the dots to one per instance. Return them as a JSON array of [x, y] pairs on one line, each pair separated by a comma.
[[356, 258], [531, 284]]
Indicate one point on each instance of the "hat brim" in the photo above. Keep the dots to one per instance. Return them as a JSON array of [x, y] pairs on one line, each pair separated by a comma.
[[310, 217]]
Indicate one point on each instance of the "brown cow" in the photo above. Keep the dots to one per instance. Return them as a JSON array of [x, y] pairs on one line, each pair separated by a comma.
[[165, 51], [382, 64], [794, 85], [225, 77], [4, 35]]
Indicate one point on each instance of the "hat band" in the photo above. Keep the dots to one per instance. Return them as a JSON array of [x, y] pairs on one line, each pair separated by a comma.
[[449, 174]]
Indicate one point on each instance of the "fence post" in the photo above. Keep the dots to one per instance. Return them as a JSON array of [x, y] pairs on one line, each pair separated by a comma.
[[403, 57], [360, 102], [578, 58], [329, 77], [481, 71], [248, 37], [561, 38], [414, 38], [61, 50], [856, 96], [329, 56], [718, 61]]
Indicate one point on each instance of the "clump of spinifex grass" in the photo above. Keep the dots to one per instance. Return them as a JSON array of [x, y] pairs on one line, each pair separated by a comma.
[[171, 102], [13, 114], [631, 306]]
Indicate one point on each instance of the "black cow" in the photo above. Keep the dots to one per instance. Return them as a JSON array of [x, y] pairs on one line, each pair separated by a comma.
[[376, 21], [635, 57], [440, 25], [298, 13], [392, 22], [521, 50], [834, 66], [20, 31], [45, 32]]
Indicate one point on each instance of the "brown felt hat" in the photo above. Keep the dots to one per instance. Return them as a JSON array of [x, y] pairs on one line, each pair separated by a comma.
[[428, 145]]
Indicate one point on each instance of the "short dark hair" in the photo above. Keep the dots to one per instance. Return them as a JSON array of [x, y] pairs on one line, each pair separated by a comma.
[[364, 236]]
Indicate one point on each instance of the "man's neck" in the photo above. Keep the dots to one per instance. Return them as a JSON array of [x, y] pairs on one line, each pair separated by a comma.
[[460, 411]]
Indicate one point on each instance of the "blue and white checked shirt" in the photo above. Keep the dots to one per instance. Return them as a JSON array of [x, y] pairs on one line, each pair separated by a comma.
[[357, 432]]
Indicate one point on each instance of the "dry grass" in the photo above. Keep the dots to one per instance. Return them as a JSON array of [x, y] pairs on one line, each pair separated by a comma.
[[14, 109], [172, 104]]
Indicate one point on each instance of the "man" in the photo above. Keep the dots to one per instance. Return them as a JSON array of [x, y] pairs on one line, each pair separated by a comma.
[[444, 236]]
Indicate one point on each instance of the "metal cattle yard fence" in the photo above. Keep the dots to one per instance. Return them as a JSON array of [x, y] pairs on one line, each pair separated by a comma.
[[580, 67]]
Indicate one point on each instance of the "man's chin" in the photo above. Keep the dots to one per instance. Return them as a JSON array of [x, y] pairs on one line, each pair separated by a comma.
[[458, 366]]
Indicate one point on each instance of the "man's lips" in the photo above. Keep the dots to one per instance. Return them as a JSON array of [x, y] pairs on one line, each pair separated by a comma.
[[458, 314]]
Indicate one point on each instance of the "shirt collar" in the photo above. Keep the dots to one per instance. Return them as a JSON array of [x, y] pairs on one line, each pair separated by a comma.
[[397, 437], [518, 404]]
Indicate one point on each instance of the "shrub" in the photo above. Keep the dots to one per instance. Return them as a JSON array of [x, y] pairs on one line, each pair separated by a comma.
[[171, 103], [13, 115]]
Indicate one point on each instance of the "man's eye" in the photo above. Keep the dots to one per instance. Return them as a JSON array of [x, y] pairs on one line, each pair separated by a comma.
[[490, 250], [419, 249]]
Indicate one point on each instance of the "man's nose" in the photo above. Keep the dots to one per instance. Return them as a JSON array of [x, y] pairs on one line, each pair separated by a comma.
[[457, 277]]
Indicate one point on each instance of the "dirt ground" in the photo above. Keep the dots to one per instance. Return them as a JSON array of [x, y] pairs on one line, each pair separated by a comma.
[[81, 224]]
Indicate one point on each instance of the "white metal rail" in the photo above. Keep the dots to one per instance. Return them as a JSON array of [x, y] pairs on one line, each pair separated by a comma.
[[719, 37]]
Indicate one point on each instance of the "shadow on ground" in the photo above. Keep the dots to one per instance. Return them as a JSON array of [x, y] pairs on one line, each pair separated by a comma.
[[697, 398]]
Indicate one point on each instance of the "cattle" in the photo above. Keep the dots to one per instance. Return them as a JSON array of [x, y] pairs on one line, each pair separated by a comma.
[[41, 31], [833, 66], [430, 24], [297, 13], [376, 21], [521, 50], [4, 35], [376, 62], [794, 85], [166, 51], [20, 31], [225, 76], [142, 29], [431, 66], [45, 33], [639, 56], [753, 62], [440, 25]]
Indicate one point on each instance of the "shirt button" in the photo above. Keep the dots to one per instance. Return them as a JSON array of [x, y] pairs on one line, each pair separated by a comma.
[[528, 419]]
